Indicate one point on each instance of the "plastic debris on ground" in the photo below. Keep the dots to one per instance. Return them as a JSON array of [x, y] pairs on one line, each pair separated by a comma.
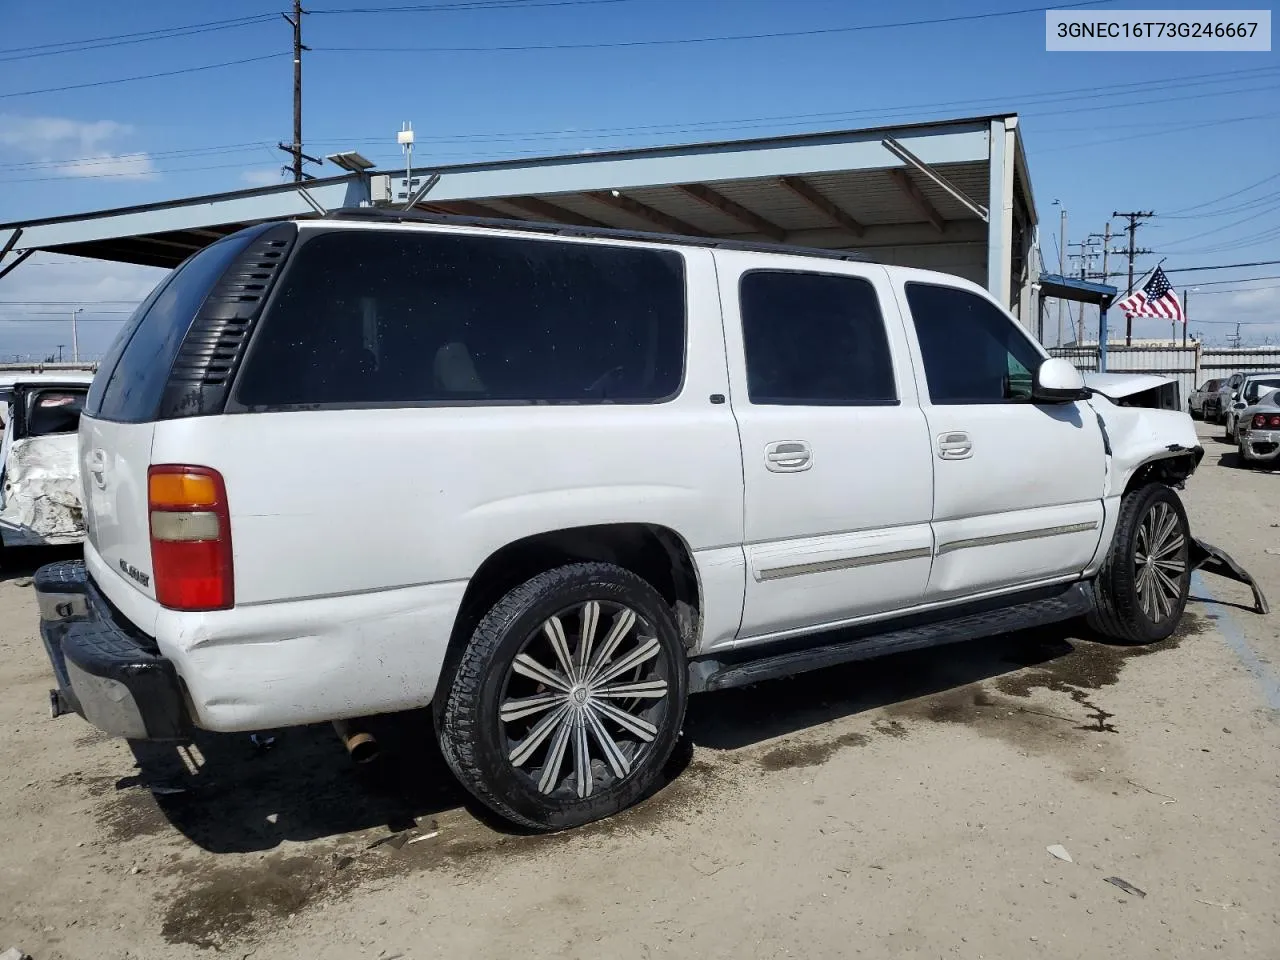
[[1059, 851]]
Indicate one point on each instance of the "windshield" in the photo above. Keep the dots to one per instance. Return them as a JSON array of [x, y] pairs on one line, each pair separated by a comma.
[[1257, 388]]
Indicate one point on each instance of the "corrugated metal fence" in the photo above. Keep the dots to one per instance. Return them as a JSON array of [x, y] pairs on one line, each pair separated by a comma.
[[1190, 366]]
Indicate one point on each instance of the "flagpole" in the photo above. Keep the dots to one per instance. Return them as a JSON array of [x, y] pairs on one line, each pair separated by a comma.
[[1186, 317]]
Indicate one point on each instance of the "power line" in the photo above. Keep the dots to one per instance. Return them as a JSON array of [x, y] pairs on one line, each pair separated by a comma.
[[143, 76], [478, 5], [1270, 209], [79, 46], [723, 38], [741, 122], [1215, 283], [1224, 266], [1227, 196]]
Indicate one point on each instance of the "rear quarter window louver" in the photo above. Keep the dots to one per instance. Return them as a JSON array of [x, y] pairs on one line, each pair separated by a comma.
[[210, 353]]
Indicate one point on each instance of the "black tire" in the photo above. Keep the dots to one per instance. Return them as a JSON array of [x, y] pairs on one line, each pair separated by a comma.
[[1242, 461], [476, 741], [1119, 612], [1191, 412]]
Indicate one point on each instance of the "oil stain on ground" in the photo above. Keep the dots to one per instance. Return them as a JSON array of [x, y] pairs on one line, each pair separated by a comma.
[[225, 904], [811, 754]]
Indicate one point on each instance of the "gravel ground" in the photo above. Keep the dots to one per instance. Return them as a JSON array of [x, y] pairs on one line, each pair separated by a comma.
[[898, 808]]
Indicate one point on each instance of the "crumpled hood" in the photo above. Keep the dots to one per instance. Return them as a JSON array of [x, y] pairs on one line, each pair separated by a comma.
[[1120, 385], [42, 492]]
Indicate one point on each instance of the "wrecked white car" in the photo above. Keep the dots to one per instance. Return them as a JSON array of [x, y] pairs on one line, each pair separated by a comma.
[[39, 474]]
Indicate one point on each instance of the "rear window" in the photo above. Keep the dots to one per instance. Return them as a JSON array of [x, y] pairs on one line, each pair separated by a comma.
[[399, 317], [133, 375], [54, 411], [1257, 388]]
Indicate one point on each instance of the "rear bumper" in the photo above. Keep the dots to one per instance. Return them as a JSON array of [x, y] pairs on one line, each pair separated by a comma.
[[1260, 446], [107, 673]]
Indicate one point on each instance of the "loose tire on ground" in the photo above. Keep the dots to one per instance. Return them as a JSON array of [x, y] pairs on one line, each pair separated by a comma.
[[606, 729], [1133, 606]]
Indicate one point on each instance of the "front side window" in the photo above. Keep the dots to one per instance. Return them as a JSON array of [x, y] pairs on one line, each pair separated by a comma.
[[54, 411], [401, 317], [816, 339], [973, 352]]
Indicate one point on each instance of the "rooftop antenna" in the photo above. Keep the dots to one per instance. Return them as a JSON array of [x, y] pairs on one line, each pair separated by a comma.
[[405, 139]]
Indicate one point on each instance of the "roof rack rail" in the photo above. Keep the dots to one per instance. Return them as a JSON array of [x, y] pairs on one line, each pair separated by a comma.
[[569, 230]]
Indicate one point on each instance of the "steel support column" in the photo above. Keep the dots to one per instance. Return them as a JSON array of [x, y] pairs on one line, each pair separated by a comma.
[[1000, 207]]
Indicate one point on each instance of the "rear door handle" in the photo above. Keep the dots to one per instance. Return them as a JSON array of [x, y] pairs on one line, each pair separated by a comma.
[[955, 445], [787, 456]]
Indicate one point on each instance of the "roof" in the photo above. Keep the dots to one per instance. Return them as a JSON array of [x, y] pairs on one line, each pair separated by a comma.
[[846, 189], [1076, 289], [9, 378]]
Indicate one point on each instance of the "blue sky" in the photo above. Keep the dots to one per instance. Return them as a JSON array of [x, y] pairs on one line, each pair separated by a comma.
[[1177, 133]]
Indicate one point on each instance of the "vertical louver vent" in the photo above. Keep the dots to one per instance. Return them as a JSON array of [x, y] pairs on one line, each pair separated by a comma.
[[215, 343]]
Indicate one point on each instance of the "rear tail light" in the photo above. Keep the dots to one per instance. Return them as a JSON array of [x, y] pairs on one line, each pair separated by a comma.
[[1266, 421], [190, 538]]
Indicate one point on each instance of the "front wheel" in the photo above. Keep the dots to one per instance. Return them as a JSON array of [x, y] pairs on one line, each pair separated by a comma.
[[569, 698], [1141, 591]]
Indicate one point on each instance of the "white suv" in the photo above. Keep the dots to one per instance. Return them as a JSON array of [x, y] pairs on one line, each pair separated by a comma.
[[551, 481]]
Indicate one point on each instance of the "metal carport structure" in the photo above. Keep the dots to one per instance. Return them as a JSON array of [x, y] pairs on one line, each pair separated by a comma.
[[952, 195]]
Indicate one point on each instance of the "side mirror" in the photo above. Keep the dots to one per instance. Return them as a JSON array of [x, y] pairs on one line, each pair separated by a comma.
[[1057, 381]]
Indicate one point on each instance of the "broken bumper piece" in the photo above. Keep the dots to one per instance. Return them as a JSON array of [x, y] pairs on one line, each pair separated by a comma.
[[112, 677], [1211, 559]]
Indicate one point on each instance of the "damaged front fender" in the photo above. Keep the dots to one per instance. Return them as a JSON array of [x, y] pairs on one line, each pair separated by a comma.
[[40, 503]]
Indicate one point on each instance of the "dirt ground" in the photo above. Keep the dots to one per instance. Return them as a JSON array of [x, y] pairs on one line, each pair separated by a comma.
[[898, 808]]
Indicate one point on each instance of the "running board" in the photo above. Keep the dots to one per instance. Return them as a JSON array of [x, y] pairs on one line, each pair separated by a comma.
[[712, 674], [1210, 559]]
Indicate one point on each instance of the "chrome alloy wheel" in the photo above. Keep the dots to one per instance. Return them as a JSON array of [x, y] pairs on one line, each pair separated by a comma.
[[1160, 562], [590, 682]]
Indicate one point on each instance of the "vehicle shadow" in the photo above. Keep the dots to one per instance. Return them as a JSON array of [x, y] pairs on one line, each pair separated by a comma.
[[244, 797], [735, 719], [17, 563]]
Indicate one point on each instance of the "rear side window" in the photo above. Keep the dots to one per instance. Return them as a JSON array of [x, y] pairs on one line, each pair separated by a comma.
[[814, 338], [973, 352], [132, 380], [54, 411], [400, 317]]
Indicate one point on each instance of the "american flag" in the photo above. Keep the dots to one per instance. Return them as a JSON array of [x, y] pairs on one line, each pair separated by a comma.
[[1156, 299]]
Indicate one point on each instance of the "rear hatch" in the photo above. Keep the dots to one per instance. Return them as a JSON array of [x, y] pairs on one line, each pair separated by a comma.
[[40, 498], [133, 388]]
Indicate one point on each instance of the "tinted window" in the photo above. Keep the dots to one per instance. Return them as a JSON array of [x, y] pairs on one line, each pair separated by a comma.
[[814, 338], [132, 391], [973, 352], [409, 317], [54, 411]]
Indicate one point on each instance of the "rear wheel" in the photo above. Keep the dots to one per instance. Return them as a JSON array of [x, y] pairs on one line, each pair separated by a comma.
[[1229, 430], [569, 698], [1141, 591]]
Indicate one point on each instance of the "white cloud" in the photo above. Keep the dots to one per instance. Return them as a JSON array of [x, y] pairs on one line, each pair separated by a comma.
[[262, 177], [60, 146], [52, 287]]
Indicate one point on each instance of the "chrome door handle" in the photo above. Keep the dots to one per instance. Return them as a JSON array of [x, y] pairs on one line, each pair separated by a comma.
[[955, 446], [788, 456]]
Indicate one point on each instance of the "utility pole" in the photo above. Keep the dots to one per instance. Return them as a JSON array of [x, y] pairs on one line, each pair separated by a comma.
[[295, 149], [1062, 258], [75, 340], [1136, 220], [1186, 317]]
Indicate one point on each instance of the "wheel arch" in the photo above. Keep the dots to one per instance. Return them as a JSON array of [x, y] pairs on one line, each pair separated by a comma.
[[1170, 468], [654, 552]]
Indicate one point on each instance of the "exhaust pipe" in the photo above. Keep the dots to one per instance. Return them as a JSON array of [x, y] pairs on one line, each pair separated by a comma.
[[360, 743]]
